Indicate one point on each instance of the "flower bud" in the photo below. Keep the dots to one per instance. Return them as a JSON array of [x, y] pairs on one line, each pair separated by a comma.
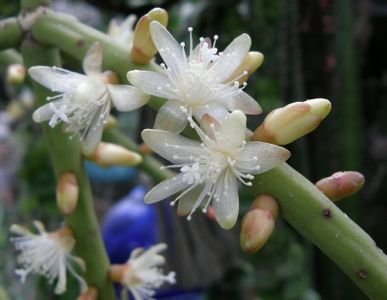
[[143, 49], [112, 155], [256, 228], [90, 294], [266, 202], [341, 184], [252, 61], [15, 74], [67, 192], [284, 125]]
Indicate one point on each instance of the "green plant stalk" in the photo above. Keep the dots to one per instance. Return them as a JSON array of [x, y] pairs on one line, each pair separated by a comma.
[[10, 33], [149, 165], [323, 223], [66, 157]]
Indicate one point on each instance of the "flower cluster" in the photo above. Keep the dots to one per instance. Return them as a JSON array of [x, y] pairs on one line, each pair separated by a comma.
[[198, 84], [200, 88], [47, 254], [84, 101], [141, 274]]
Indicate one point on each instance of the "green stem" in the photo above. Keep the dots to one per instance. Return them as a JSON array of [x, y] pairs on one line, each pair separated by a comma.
[[27, 5], [66, 157], [319, 220], [149, 165], [10, 33], [75, 39]]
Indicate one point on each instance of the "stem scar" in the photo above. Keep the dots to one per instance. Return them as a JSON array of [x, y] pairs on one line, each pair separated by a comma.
[[362, 274], [326, 213]]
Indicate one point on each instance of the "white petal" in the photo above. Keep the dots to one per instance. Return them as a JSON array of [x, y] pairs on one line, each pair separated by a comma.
[[267, 156], [187, 202], [169, 49], [227, 208], [170, 117], [126, 98], [215, 110], [243, 102], [232, 57], [152, 83], [165, 189], [172, 146], [43, 113], [92, 140], [93, 133], [232, 130], [92, 62], [56, 79]]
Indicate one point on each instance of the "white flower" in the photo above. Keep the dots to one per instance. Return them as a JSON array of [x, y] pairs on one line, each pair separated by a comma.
[[197, 84], [210, 170], [122, 32], [47, 254], [85, 100], [142, 274]]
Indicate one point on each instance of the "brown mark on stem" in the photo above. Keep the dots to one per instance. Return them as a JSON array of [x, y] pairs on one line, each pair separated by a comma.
[[362, 274], [80, 43], [326, 213]]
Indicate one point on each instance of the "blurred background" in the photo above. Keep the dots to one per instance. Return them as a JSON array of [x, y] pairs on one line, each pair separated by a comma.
[[324, 48]]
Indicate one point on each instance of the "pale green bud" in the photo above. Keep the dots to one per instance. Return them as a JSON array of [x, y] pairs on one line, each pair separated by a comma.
[[114, 155], [67, 192], [143, 49], [284, 125], [341, 184]]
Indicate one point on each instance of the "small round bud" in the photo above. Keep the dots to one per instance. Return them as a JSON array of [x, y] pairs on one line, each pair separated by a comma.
[[143, 49], [15, 74], [341, 184], [108, 154], [266, 202], [67, 192], [256, 228], [284, 125], [252, 61]]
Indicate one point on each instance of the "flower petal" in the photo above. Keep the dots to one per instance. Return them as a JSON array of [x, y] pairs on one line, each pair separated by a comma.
[[126, 98], [91, 136], [243, 102], [152, 83], [232, 57], [169, 49], [226, 209], [215, 110], [170, 117], [188, 201], [43, 113], [56, 79], [92, 62], [264, 155], [232, 130], [165, 189], [172, 146]]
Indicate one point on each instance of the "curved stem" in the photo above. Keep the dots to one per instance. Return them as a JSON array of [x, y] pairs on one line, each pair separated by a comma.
[[10, 33], [66, 157], [323, 223], [149, 165]]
